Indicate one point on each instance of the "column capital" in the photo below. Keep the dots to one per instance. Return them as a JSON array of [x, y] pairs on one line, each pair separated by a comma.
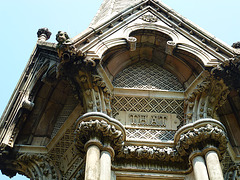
[[37, 166], [100, 129], [204, 131]]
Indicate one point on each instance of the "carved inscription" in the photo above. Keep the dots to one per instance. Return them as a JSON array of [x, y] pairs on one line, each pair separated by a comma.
[[145, 119]]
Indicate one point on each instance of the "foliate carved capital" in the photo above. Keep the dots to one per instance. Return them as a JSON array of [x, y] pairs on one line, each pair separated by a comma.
[[202, 136], [99, 129], [150, 153], [36, 166]]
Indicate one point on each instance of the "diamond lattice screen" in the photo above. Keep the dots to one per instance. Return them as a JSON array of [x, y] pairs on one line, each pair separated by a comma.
[[145, 104], [147, 75]]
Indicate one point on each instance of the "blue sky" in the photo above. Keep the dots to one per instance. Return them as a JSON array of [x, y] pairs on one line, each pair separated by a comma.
[[20, 21]]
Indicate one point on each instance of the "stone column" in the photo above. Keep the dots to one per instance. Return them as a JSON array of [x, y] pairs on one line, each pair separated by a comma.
[[92, 163], [99, 136], [199, 168], [105, 164], [213, 165]]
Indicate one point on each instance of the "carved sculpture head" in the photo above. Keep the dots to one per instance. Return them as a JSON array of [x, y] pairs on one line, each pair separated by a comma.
[[62, 37]]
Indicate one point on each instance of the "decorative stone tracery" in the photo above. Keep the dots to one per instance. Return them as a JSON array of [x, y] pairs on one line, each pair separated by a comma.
[[37, 166], [229, 71], [205, 99], [233, 173], [147, 75]]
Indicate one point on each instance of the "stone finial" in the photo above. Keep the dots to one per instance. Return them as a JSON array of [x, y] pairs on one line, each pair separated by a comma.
[[43, 34], [236, 45]]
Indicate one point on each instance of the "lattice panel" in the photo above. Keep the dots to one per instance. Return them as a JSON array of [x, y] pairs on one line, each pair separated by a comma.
[[152, 134], [147, 75], [61, 147], [145, 104], [73, 168], [227, 162], [71, 103]]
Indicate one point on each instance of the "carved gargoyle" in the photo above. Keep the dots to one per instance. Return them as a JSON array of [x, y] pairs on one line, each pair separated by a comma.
[[64, 47]]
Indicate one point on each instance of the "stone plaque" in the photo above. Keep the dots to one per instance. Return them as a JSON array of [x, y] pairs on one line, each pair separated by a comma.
[[148, 119]]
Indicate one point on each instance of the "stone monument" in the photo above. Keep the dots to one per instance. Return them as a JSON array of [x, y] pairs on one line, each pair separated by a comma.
[[142, 94]]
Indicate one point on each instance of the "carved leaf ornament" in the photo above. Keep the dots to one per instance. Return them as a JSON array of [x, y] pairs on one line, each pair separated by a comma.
[[90, 129], [149, 18]]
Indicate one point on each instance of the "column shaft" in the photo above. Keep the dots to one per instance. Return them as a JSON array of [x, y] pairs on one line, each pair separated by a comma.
[[213, 166], [105, 164], [199, 168], [92, 163]]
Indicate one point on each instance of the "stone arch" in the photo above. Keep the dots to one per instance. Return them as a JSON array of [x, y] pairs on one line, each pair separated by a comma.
[[153, 45]]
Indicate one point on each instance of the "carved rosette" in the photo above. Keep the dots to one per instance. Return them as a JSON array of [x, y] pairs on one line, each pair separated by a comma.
[[149, 18], [37, 166], [205, 99]]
